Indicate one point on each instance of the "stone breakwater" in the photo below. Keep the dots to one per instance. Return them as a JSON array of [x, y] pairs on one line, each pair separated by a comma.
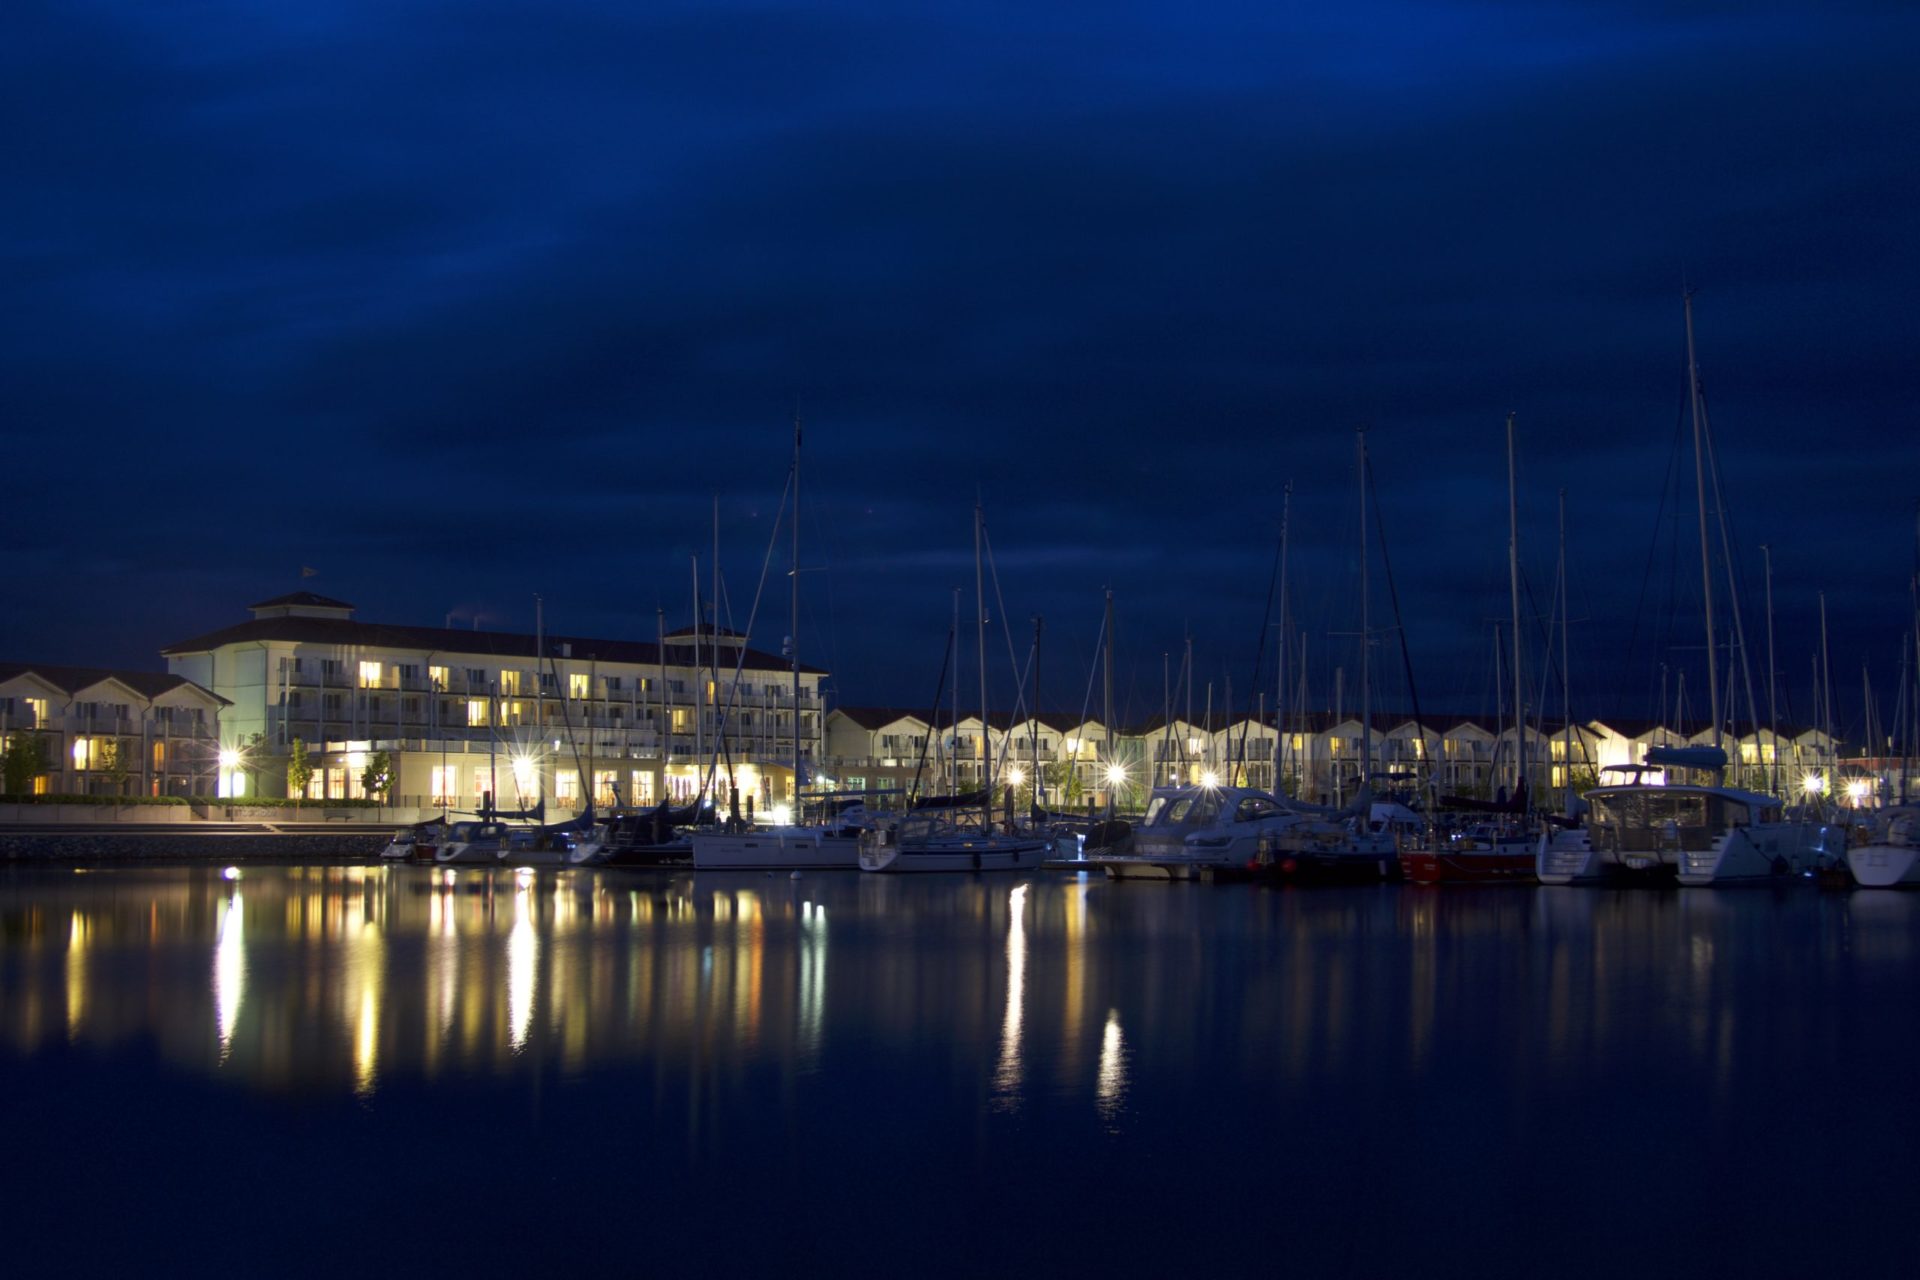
[[189, 846]]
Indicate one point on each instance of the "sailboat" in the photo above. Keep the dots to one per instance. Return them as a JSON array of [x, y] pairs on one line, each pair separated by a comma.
[[936, 839], [1359, 842], [790, 846], [1890, 855], [1501, 857], [1696, 832]]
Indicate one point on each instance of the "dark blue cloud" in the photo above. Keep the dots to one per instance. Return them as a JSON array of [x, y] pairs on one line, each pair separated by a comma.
[[464, 302]]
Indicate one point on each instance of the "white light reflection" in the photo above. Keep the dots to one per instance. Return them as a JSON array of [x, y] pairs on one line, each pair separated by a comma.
[[1111, 1089], [229, 972], [523, 958], [813, 976], [1006, 1076]]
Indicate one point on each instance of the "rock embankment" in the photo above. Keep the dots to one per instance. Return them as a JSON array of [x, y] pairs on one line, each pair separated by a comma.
[[189, 846]]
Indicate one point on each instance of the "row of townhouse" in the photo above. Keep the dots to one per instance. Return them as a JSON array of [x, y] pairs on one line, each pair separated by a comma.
[[464, 715], [1317, 757], [93, 731]]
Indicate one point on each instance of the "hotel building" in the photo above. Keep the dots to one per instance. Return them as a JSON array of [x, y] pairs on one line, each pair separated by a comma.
[[468, 714]]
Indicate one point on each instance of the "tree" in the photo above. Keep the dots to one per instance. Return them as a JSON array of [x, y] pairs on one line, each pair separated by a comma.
[[377, 778], [1064, 787], [23, 759], [114, 763], [299, 773], [251, 753]]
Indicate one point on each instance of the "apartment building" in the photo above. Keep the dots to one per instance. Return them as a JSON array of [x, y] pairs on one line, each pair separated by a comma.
[[105, 732], [1318, 758], [470, 715]]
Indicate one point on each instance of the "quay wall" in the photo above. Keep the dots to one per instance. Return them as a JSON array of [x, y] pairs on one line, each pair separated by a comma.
[[189, 846]]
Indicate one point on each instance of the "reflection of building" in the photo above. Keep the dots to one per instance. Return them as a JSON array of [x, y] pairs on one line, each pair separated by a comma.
[[467, 712], [113, 732]]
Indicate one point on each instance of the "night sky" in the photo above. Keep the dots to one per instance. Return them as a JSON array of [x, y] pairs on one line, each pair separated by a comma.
[[456, 303]]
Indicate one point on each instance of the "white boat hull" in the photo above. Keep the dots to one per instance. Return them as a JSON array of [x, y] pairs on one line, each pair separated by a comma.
[[957, 855], [1883, 866], [1756, 855]]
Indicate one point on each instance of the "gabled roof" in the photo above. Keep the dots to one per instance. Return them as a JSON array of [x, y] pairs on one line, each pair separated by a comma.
[[872, 718], [455, 644], [72, 680]]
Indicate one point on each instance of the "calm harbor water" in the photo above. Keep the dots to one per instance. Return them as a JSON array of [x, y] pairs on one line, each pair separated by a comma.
[[311, 1069]]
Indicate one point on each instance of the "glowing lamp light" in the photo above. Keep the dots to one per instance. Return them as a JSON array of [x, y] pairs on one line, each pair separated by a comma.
[[231, 873], [782, 814], [1813, 784], [229, 758], [1116, 775], [1857, 791], [1016, 776], [1209, 779]]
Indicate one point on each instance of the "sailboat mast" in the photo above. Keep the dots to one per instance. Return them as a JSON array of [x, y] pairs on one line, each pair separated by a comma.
[[1700, 492], [1106, 711], [1036, 792], [980, 643], [1366, 633], [1286, 635], [1513, 590], [1773, 719], [793, 622], [953, 698], [1826, 683], [1566, 674], [699, 732]]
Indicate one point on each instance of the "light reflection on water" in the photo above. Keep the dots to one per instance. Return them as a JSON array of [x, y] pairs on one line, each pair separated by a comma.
[[342, 978]]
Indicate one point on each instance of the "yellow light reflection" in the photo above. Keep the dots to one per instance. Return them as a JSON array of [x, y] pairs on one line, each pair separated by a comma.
[[1006, 1076], [76, 975]]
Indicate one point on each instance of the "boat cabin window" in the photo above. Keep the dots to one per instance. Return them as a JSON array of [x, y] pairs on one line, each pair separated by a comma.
[[1254, 808], [1653, 817], [1183, 811]]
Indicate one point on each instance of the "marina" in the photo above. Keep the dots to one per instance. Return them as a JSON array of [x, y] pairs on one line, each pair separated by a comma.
[[723, 1069]]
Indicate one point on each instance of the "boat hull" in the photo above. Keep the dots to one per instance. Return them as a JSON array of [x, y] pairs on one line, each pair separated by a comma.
[[1883, 866], [776, 851], [1468, 866], [1025, 855]]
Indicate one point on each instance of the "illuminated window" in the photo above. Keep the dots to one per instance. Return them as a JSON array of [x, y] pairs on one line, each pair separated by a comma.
[[513, 712], [370, 675], [603, 784], [86, 753], [476, 711], [509, 682], [577, 686], [641, 788], [566, 785], [437, 677], [681, 718], [445, 783], [37, 713]]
